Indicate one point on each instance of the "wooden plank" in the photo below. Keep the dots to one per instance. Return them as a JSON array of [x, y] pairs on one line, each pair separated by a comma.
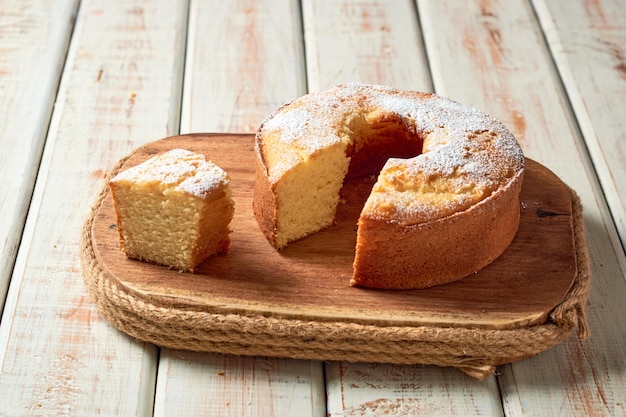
[[120, 88], [588, 42], [492, 54], [380, 42], [222, 385], [371, 390], [364, 41], [244, 59], [34, 37]]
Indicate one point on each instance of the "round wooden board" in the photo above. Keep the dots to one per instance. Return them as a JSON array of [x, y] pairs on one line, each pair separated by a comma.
[[309, 280]]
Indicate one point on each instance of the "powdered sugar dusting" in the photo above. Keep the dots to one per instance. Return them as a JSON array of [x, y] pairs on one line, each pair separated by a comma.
[[467, 154], [177, 170], [306, 123], [208, 177]]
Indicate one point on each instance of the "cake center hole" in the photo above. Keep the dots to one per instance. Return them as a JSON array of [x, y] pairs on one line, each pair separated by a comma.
[[375, 143]]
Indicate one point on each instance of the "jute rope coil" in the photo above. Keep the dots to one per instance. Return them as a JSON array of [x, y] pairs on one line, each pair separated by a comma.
[[476, 352]]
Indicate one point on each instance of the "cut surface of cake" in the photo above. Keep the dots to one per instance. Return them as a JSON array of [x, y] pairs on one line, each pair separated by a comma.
[[173, 210]]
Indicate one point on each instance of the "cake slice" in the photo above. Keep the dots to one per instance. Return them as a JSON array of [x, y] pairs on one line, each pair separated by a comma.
[[173, 210]]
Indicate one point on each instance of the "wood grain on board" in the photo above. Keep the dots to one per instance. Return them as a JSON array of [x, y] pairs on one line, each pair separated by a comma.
[[309, 279]]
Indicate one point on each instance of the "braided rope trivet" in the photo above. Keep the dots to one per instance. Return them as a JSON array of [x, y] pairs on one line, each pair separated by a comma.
[[474, 351]]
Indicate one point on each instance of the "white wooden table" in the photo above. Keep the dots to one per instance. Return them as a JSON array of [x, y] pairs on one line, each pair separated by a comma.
[[84, 82]]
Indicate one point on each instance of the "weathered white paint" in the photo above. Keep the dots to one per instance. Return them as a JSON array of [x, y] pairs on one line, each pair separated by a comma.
[[34, 37], [120, 88], [194, 384], [244, 59], [368, 42], [588, 42], [397, 390]]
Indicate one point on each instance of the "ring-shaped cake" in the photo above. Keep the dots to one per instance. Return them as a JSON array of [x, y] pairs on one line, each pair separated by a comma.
[[446, 201]]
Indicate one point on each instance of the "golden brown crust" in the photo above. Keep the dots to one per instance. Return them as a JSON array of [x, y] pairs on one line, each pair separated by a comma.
[[118, 215], [264, 203], [438, 252]]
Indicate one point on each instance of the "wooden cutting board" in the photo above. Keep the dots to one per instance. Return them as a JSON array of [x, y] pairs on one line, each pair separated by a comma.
[[309, 279]]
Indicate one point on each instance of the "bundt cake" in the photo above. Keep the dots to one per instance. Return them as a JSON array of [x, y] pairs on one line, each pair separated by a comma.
[[446, 202]]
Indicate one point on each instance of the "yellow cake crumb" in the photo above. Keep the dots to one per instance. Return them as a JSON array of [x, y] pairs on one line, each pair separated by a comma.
[[173, 210]]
